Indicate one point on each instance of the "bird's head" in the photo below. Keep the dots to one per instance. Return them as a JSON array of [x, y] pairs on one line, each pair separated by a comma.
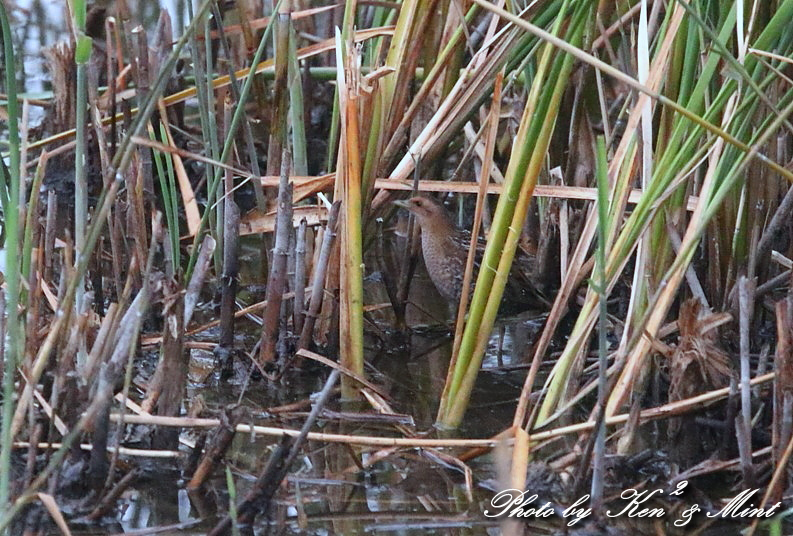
[[426, 210]]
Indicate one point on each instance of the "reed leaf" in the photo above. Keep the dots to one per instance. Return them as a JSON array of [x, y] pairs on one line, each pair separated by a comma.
[[526, 159], [11, 213]]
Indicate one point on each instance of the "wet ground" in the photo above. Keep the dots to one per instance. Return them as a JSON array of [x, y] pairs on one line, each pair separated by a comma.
[[334, 488], [337, 489]]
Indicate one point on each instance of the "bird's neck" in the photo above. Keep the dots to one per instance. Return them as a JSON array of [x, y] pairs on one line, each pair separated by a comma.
[[438, 235], [440, 225]]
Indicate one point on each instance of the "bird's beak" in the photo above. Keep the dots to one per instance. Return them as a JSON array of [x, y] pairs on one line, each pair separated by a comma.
[[402, 203]]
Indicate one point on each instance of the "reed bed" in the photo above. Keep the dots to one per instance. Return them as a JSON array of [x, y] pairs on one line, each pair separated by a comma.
[[640, 151]]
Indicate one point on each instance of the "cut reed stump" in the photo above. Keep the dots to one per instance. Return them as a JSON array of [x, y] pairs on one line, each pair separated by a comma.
[[277, 279], [318, 280]]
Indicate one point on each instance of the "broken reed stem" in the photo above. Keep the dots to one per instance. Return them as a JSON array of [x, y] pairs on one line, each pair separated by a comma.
[[172, 366], [230, 258], [695, 403], [261, 494], [278, 145], [318, 281], [299, 286], [220, 443], [230, 273], [744, 423], [97, 417], [782, 429], [203, 262], [599, 448], [277, 279], [351, 266], [261, 201]]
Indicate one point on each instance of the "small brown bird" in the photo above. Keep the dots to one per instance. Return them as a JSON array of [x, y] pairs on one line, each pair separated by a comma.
[[445, 249]]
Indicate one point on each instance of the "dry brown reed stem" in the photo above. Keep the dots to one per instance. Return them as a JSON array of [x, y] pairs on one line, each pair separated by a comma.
[[227, 427], [141, 72], [430, 185], [661, 412], [101, 342], [782, 427], [520, 458], [230, 259], [49, 233], [33, 451], [108, 502], [262, 492], [318, 282], [173, 364], [200, 271], [278, 120], [110, 373], [114, 65], [223, 81], [276, 281], [34, 299], [230, 274], [299, 285], [96, 122], [781, 470], [261, 201], [136, 232], [744, 422], [117, 367], [120, 254]]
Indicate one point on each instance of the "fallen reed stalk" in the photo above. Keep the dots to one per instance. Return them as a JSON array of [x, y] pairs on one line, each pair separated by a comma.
[[259, 498], [661, 412]]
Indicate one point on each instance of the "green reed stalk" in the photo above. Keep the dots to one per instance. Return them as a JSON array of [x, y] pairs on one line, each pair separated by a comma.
[[31, 218], [15, 335], [229, 142], [599, 452], [165, 173], [297, 109], [527, 157], [82, 54], [622, 241]]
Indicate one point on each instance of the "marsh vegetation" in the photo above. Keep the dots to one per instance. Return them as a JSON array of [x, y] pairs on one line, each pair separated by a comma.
[[199, 232]]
